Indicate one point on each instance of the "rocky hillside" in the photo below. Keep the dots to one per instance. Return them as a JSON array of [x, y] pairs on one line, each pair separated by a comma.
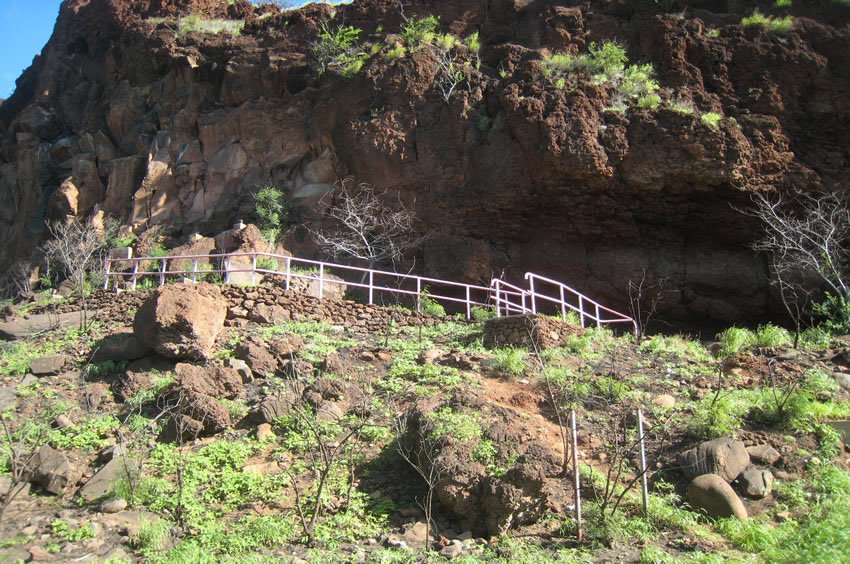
[[135, 111], [174, 428]]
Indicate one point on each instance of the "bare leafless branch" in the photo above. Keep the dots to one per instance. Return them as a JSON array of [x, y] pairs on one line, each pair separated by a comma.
[[365, 227]]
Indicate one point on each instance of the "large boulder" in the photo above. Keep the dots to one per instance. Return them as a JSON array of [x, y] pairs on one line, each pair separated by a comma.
[[711, 494], [52, 470], [182, 321], [724, 457]]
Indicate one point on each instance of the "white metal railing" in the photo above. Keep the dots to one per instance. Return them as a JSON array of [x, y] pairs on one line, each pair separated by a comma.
[[587, 309], [506, 298], [374, 281]]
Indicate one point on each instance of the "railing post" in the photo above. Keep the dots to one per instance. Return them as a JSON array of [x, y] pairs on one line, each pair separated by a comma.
[[418, 293], [254, 268], [106, 273], [581, 308], [494, 287], [321, 281], [563, 305], [135, 274], [194, 269], [371, 286], [468, 305], [524, 307], [288, 265], [226, 264], [533, 295], [598, 318], [162, 272]]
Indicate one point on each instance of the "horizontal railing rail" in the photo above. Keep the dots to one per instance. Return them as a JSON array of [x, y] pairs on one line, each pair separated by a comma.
[[505, 298]]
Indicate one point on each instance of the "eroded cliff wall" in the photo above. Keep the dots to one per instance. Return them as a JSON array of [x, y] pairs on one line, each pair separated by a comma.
[[119, 115]]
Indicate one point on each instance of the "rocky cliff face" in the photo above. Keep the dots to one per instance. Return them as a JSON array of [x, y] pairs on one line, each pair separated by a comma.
[[121, 117]]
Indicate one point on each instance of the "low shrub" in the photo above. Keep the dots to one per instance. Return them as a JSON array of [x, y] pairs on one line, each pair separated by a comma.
[[510, 360], [418, 32], [339, 48], [779, 25], [711, 119], [735, 339]]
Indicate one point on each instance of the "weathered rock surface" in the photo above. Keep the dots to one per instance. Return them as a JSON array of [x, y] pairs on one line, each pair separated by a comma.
[[52, 470], [48, 365], [764, 454], [215, 381], [726, 458], [712, 495], [258, 358], [756, 483], [104, 480], [182, 321]]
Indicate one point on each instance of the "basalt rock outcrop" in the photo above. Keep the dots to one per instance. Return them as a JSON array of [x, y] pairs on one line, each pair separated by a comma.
[[118, 116]]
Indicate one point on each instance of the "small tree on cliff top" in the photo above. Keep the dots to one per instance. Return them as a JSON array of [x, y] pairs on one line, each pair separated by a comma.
[[364, 227]]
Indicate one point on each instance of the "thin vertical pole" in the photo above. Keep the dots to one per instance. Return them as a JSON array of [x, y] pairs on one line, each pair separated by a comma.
[[194, 268], [321, 281], [106, 274], [135, 273], [598, 317], [581, 308], [563, 305], [253, 269], [533, 296], [288, 263], [468, 305], [418, 292], [226, 264], [162, 272], [577, 476], [371, 286], [643, 477]]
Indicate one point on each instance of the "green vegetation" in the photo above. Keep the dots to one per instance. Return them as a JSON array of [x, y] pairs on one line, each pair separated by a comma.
[[429, 306], [271, 213], [339, 49], [195, 24], [711, 119], [418, 32], [395, 53], [85, 436], [460, 426], [779, 25], [510, 361], [606, 66], [67, 533], [834, 313]]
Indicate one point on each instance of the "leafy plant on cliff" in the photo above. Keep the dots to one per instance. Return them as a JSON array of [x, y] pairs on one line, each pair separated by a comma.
[[779, 25], [270, 212], [339, 49], [418, 32], [606, 66]]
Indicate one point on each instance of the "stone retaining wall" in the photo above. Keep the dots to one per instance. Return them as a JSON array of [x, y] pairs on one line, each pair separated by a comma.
[[527, 331], [264, 304]]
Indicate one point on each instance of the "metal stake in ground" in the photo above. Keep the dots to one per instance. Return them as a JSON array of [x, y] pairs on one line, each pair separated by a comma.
[[577, 477], [642, 469]]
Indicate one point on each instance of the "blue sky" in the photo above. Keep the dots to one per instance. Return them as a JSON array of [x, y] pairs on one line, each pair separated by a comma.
[[25, 27]]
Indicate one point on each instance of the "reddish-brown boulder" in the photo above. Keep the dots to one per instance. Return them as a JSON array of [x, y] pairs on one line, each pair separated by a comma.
[[182, 321]]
